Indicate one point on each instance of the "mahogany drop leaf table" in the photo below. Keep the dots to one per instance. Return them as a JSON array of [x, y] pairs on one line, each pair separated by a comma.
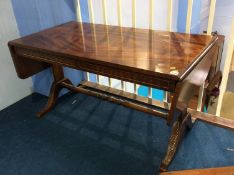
[[173, 62]]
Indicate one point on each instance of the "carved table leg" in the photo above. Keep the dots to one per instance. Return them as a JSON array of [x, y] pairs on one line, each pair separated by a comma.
[[178, 131], [55, 88], [175, 96]]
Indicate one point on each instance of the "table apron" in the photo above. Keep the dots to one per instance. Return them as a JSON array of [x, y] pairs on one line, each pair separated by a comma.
[[100, 69]]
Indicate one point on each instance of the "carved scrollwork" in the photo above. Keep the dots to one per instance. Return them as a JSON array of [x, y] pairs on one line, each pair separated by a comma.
[[178, 131]]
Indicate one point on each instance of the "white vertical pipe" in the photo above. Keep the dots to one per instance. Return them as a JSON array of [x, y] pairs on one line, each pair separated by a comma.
[[189, 16], [119, 5], [104, 12], [151, 14], [134, 26], [169, 15], [169, 28], [91, 15], [134, 13], [79, 18], [119, 13], [211, 17], [151, 24], [78, 11], [90, 5]]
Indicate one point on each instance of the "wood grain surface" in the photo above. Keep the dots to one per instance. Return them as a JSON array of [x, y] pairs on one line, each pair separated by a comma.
[[151, 51]]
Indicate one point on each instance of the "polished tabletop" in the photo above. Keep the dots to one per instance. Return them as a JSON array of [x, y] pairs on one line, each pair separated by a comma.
[[149, 50]]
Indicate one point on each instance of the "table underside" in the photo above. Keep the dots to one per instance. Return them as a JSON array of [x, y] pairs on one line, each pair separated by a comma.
[[181, 123]]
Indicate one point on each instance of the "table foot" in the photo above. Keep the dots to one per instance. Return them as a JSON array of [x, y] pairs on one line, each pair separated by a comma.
[[54, 92], [178, 131], [55, 88]]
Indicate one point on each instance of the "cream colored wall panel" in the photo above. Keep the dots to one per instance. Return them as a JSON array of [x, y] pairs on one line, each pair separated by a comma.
[[223, 20], [127, 13], [112, 12], [160, 14], [142, 14], [205, 8], [222, 24], [12, 88], [97, 11], [225, 8], [175, 6]]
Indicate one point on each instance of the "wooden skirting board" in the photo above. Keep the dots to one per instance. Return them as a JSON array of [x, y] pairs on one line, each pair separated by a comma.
[[209, 171], [212, 119]]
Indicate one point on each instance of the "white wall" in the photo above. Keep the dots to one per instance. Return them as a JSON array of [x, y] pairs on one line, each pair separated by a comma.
[[142, 13], [204, 15], [12, 88], [222, 20], [222, 23]]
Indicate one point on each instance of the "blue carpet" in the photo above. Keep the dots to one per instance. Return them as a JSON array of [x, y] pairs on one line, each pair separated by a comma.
[[87, 136]]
